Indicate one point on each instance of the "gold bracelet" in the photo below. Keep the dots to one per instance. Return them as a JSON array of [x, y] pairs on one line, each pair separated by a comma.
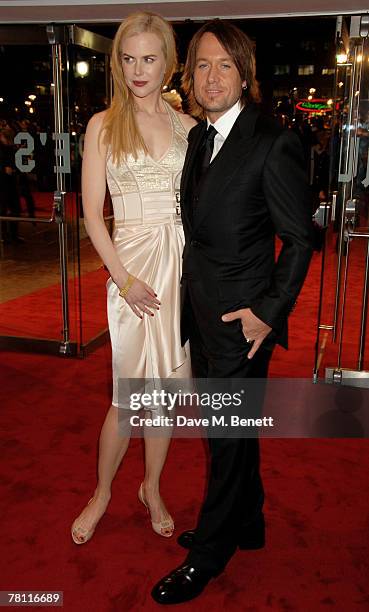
[[124, 290]]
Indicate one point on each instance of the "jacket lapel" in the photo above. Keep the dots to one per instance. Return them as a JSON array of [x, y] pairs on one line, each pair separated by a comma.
[[226, 164], [195, 140]]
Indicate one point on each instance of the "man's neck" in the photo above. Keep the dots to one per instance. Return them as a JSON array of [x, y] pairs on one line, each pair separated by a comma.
[[214, 117]]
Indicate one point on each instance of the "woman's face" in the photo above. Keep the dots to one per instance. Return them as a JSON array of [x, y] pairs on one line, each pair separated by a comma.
[[143, 63]]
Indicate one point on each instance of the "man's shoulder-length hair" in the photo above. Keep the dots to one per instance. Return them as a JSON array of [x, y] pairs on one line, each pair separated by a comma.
[[239, 46]]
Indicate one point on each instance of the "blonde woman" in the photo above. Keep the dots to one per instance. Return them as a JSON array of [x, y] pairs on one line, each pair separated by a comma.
[[138, 146]]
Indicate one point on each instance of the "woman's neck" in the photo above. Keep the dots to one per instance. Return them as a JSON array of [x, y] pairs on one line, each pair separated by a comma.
[[150, 105]]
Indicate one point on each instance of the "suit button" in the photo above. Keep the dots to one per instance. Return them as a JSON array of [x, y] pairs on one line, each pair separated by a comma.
[[196, 198], [195, 243]]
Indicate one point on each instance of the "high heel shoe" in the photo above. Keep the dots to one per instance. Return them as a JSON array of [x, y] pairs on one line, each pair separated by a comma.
[[79, 532], [163, 525]]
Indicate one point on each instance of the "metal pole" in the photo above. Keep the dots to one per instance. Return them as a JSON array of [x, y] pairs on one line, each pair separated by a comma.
[[343, 306], [347, 163], [320, 306], [364, 310], [59, 196]]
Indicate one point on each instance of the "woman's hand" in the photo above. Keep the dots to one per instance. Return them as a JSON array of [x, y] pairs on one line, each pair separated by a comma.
[[140, 298]]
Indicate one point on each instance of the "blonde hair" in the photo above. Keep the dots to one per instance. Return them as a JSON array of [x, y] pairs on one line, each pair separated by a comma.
[[119, 128]]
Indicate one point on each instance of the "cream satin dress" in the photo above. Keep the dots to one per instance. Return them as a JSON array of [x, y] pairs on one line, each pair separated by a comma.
[[148, 237]]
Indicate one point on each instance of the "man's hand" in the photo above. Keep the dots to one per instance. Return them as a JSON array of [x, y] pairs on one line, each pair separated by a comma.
[[253, 328]]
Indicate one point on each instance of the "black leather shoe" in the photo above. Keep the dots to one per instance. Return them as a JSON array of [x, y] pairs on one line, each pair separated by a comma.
[[186, 539], [253, 537], [182, 584]]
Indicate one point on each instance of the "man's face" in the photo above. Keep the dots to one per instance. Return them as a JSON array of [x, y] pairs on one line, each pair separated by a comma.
[[217, 83]]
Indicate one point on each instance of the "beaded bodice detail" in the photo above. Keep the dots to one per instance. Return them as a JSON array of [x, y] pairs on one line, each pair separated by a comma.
[[145, 175]]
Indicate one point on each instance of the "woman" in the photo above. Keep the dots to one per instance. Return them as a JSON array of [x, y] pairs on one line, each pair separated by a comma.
[[138, 145]]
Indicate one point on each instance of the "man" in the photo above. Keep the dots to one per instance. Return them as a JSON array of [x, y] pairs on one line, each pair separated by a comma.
[[236, 298]]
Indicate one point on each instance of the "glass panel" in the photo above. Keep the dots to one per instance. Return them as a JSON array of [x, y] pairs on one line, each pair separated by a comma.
[[338, 147], [350, 178], [88, 88], [361, 188], [30, 303], [39, 239]]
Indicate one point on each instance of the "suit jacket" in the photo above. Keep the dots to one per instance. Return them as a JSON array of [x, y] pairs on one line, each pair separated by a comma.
[[256, 187]]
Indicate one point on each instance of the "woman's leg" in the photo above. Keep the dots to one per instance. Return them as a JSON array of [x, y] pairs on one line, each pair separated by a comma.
[[157, 441], [114, 441]]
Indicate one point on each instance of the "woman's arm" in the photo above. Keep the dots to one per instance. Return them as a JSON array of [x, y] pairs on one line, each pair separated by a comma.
[[93, 196], [140, 295]]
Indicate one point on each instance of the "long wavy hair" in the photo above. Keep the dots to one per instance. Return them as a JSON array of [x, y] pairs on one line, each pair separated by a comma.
[[238, 46], [119, 128]]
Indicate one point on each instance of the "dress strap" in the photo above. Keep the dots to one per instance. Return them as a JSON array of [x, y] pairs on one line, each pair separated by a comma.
[[177, 123]]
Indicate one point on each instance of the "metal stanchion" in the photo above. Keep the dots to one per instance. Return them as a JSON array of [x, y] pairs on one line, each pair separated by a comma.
[[59, 194]]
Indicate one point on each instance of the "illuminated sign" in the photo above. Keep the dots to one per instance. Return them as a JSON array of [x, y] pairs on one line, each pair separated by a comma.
[[317, 105]]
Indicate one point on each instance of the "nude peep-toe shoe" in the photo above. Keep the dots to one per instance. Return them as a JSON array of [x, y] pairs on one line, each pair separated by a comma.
[[84, 533], [162, 525]]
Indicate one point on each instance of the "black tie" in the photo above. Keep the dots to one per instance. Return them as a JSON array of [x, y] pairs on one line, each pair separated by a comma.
[[202, 163], [208, 147]]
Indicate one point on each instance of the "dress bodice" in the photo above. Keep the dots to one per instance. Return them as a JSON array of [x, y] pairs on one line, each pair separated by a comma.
[[144, 190]]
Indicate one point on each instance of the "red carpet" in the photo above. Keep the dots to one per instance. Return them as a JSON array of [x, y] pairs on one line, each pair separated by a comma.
[[316, 556], [39, 314]]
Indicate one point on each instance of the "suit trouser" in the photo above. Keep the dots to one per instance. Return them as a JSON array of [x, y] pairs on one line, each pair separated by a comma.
[[235, 493]]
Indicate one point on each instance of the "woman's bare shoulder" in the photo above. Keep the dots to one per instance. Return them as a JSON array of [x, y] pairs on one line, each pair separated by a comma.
[[187, 121], [97, 120], [94, 142]]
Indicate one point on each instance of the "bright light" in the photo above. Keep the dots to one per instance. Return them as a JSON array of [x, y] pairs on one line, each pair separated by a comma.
[[310, 97], [74, 133], [1, 99], [295, 89], [330, 101], [52, 84], [165, 87], [359, 58], [32, 97], [312, 90], [340, 84], [341, 58], [82, 69], [31, 110], [28, 102]]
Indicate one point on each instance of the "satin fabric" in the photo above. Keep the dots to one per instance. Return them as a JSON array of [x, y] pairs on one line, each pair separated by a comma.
[[148, 238]]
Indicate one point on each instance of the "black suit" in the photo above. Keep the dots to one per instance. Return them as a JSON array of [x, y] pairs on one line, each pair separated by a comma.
[[255, 188]]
